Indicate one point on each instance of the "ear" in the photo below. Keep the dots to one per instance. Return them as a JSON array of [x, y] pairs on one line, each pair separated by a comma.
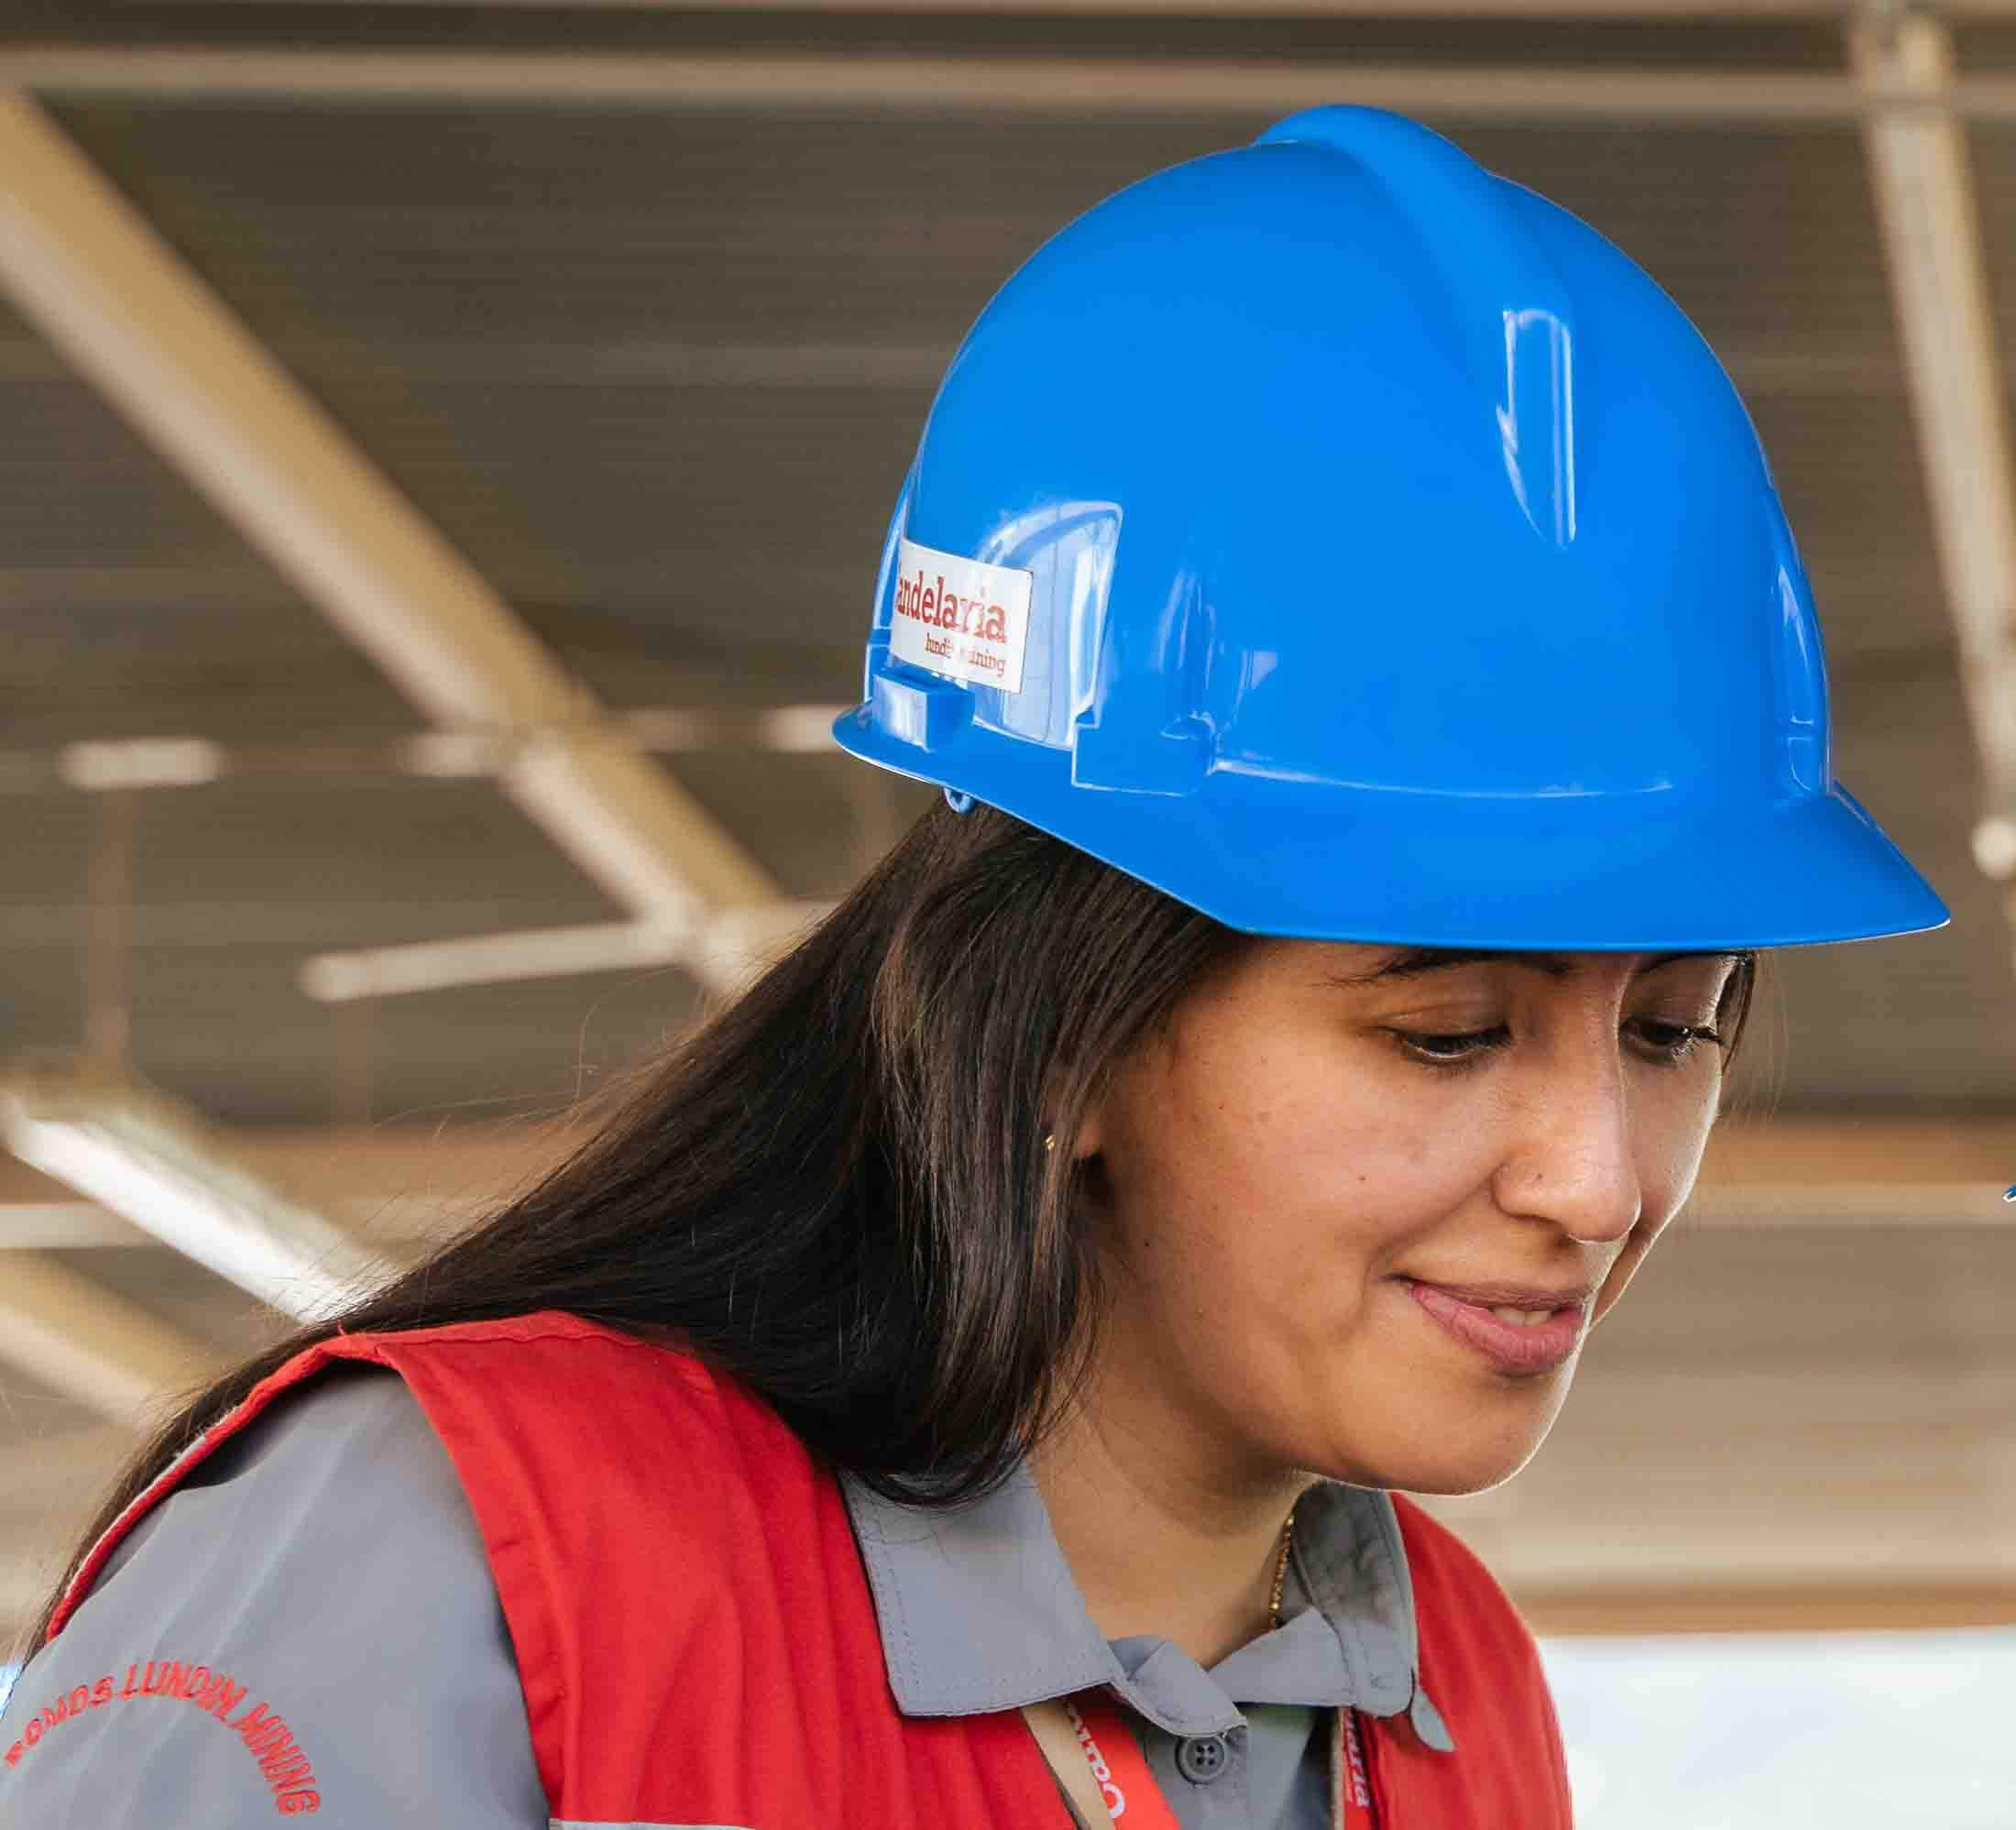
[[1090, 1137], [1091, 1132]]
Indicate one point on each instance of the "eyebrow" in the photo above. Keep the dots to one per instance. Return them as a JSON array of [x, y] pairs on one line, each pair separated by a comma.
[[1417, 961]]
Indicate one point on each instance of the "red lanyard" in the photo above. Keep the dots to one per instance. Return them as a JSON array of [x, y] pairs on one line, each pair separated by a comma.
[[1132, 1795], [1351, 1785], [1125, 1781]]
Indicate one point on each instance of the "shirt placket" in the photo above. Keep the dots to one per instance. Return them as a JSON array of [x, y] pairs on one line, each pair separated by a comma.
[[1202, 1776]]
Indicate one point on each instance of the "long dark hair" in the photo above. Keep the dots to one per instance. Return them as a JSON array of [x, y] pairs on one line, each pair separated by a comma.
[[835, 1188]]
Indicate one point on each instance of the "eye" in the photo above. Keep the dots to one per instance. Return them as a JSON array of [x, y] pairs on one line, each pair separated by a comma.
[[1682, 1039], [1453, 1050], [1667, 1043]]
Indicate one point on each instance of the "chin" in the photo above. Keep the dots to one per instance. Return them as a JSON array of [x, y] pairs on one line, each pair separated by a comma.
[[1431, 1464], [1453, 1484], [1473, 1473]]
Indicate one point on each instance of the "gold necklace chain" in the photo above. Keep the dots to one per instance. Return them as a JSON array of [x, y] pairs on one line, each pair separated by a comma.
[[1280, 1572]]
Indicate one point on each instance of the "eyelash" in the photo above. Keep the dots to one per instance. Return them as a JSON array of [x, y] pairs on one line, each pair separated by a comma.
[[1688, 1037]]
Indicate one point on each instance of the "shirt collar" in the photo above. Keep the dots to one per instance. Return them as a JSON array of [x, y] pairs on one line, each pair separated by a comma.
[[979, 1611]]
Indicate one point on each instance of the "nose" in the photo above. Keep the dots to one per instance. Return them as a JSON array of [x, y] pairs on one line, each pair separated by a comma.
[[1571, 1161]]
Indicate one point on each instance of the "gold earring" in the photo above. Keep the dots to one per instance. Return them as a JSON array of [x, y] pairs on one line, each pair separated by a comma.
[[1050, 1140]]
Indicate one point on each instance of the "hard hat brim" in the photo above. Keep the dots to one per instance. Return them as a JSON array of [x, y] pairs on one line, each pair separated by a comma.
[[1558, 871]]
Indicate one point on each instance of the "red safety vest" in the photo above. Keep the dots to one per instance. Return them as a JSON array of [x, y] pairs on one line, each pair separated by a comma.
[[695, 1635]]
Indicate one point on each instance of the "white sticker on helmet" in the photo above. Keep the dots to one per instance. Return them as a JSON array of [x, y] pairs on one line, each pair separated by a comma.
[[961, 618]]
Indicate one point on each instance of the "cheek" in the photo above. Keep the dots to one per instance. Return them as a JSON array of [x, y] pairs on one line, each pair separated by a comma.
[[1256, 1164], [1680, 1143], [1666, 1171]]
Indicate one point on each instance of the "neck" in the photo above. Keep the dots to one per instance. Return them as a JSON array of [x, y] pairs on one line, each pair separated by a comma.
[[1158, 1537]]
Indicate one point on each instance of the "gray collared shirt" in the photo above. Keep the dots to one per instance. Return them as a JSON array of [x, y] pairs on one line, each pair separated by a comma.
[[979, 1611]]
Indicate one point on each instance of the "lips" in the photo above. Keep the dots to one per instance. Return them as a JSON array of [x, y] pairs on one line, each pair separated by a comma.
[[1514, 1296], [1510, 1346]]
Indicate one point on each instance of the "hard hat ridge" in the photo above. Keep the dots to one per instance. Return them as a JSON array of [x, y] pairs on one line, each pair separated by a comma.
[[1468, 225]]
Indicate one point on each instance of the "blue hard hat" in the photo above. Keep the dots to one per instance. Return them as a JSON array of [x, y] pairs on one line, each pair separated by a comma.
[[1355, 545]]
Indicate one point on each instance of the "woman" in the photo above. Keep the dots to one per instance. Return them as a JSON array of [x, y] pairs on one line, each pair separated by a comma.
[[1381, 720]]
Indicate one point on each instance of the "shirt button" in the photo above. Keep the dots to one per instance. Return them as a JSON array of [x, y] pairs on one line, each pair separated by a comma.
[[1201, 1757]]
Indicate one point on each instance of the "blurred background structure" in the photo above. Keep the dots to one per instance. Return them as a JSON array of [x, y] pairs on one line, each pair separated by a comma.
[[444, 450]]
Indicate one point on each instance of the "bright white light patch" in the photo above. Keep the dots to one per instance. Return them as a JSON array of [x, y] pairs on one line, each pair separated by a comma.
[[1781, 1731]]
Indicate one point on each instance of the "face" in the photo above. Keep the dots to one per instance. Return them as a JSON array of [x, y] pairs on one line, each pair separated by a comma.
[[1291, 1185]]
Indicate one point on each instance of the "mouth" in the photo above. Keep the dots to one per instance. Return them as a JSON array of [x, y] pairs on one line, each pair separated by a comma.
[[1517, 1328]]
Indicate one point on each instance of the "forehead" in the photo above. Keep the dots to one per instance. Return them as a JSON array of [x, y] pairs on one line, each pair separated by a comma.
[[1369, 966]]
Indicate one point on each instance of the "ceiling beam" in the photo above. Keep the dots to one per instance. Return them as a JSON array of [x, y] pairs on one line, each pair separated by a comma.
[[1886, 1604], [1067, 87], [50, 1470], [1627, 12], [1846, 1171], [88, 1344], [335, 1163], [155, 1160], [98, 765], [992, 83], [84, 267], [1931, 225], [410, 1184], [1793, 1148], [736, 940], [64, 1225]]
